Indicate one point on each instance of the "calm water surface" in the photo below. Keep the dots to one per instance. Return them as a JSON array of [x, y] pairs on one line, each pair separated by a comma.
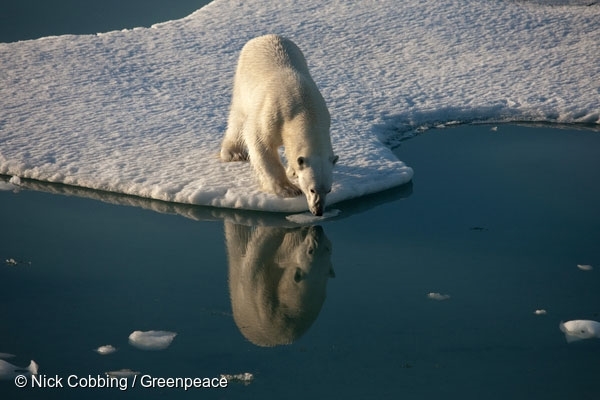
[[32, 19], [496, 220]]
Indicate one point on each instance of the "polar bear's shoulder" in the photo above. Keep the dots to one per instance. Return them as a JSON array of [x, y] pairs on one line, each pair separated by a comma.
[[276, 50]]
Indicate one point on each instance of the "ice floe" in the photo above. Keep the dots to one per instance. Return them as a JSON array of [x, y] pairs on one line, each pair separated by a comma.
[[10, 371], [106, 350], [122, 373], [438, 296], [142, 111], [151, 340], [580, 329]]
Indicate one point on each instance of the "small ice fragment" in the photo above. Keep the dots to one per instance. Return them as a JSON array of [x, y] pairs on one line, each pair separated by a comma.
[[12, 262], [122, 373], [580, 329], [151, 340], [15, 180], [308, 218], [246, 378], [540, 312], [33, 367], [585, 267], [494, 129], [438, 296], [10, 371], [105, 350]]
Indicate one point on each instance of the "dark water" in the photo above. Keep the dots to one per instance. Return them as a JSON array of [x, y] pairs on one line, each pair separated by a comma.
[[32, 19], [497, 220]]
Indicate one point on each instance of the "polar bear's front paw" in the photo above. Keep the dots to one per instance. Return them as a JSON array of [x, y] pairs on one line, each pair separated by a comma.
[[288, 189]]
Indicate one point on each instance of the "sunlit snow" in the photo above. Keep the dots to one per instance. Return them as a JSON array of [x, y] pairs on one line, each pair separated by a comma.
[[143, 111]]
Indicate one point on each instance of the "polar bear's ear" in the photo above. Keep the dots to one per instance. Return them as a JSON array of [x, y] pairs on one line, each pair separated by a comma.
[[334, 159], [301, 162]]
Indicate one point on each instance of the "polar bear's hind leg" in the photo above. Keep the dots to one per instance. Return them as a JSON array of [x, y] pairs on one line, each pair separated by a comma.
[[233, 147]]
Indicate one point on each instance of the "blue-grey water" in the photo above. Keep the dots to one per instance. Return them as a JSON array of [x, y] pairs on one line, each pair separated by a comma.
[[495, 219], [32, 19]]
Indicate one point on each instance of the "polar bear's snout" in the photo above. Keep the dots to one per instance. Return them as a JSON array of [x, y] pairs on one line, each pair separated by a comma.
[[314, 179], [316, 203]]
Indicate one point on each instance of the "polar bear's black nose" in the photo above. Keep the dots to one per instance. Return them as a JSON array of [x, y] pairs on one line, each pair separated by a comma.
[[318, 209]]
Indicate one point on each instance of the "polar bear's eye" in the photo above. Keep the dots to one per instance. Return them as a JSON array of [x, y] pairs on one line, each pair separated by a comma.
[[312, 191]]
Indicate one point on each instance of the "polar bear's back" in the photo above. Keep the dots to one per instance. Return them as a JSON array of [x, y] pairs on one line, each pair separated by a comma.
[[271, 54]]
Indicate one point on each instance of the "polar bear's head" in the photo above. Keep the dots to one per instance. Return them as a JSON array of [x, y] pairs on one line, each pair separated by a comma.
[[314, 178]]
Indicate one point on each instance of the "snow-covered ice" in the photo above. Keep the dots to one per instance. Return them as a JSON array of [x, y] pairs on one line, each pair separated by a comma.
[[123, 373], [10, 371], [437, 296], [106, 349], [151, 340], [308, 218], [142, 111], [580, 329]]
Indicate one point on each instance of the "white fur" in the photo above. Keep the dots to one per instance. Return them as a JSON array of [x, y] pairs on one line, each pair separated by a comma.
[[276, 103], [277, 280]]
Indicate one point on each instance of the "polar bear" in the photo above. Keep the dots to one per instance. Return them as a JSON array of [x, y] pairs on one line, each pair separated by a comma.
[[276, 103], [277, 280]]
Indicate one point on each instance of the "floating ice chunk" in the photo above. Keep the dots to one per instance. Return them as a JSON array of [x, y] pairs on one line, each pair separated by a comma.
[[580, 329], [15, 180], [106, 349], [151, 340], [123, 373], [9, 371], [540, 312], [246, 378], [12, 262], [585, 267], [308, 218], [438, 296]]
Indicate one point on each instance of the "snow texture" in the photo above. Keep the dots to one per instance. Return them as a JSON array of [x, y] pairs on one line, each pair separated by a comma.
[[142, 111]]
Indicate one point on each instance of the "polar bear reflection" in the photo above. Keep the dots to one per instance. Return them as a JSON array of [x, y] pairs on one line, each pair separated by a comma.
[[277, 280]]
